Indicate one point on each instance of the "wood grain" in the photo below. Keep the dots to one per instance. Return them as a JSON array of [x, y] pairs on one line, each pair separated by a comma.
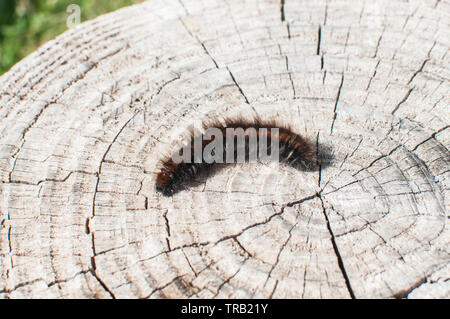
[[85, 119]]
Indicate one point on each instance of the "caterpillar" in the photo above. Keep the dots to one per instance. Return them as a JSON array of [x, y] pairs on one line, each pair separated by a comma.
[[244, 138]]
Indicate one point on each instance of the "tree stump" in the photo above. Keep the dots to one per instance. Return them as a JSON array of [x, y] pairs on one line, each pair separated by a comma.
[[85, 119]]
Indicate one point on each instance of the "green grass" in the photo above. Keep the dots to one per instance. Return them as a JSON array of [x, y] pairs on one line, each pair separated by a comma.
[[26, 24]]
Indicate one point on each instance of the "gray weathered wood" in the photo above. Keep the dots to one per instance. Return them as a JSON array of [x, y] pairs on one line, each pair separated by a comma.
[[85, 118]]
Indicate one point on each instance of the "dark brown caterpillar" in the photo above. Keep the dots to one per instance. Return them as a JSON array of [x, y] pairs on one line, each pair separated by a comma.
[[293, 150]]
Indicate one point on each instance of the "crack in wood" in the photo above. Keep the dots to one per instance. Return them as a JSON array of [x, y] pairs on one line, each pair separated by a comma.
[[336, 103], [336, 251], [239, 88], [402, 101]]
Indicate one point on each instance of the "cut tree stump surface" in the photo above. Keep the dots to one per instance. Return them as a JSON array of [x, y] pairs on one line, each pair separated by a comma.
[[85, 119]]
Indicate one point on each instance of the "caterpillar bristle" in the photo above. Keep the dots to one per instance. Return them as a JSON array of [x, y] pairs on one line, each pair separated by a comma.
[[294, 150]]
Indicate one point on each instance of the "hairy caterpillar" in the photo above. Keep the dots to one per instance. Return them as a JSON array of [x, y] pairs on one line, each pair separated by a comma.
[[293, 150]]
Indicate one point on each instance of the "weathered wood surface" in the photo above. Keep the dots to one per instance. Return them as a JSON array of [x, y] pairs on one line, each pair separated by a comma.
[[85, 118]]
